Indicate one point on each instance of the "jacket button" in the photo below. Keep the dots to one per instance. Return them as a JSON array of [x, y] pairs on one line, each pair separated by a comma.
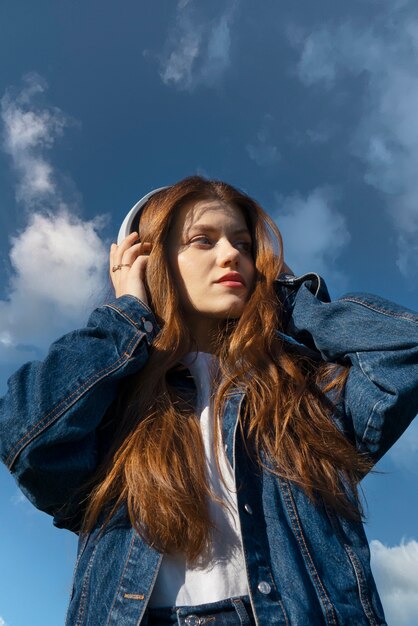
[[264, 587], [148, 326], [248, 509]]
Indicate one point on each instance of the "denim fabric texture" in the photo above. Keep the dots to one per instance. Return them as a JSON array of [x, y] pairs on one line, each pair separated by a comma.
[[228, 612], [305, 564]]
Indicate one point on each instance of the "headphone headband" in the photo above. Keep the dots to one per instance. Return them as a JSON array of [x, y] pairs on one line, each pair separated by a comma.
[[134, 215]]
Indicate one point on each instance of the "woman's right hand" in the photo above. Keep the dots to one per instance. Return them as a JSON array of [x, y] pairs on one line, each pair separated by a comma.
[[128, 263]]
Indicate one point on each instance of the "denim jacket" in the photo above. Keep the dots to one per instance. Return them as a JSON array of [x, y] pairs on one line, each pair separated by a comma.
[[305, 564]]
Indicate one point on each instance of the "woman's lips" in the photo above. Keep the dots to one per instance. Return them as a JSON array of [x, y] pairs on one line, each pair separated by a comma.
[[231, 283], [232, 278]]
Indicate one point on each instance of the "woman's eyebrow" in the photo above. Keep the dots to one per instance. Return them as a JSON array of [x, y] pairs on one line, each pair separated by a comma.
[[213, 229]]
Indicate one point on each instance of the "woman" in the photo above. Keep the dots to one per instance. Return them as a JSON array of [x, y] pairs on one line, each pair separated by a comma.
[[206, 432]]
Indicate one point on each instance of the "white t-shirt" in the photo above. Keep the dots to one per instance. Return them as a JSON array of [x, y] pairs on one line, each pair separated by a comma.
[[222, 573]]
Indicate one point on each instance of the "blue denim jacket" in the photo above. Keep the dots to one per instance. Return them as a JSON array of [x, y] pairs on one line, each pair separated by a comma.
[[305, 564]]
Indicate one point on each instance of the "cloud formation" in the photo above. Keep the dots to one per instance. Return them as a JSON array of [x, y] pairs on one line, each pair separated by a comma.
[[262, 150], [314, 233], [2, 622], [58, 266], [58, 260], [396, 573], [386, 139], [198, 49], [28, 132]]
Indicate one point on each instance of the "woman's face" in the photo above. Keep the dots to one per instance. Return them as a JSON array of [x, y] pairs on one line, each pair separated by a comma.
[[209, 240]]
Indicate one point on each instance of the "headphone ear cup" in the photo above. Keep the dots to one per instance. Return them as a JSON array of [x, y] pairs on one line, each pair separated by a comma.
[[135, 222]]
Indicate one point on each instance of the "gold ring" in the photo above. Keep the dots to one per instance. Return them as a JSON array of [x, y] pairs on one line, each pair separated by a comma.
[[118, 267]]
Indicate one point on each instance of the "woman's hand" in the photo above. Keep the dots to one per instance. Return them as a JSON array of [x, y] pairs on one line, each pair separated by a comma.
[[128, 263]]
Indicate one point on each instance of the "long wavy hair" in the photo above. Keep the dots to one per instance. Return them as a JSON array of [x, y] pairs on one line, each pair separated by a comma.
[[155, 463]]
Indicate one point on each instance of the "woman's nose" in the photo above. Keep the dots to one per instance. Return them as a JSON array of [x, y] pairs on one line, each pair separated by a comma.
[[228, 254]]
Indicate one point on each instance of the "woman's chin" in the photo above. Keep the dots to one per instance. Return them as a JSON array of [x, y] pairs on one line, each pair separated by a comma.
[[234, 310]]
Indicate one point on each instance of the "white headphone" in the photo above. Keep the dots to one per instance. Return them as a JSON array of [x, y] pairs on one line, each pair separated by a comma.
[[134, 214]]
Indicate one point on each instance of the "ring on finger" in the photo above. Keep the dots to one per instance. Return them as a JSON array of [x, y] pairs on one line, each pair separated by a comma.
[[118, 267]]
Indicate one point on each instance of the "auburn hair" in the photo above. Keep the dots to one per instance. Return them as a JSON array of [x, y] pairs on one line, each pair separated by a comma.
[[155, 463]]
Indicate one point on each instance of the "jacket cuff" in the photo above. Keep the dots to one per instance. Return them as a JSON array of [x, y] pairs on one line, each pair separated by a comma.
[[314, 282], [137, 313], [288, 285]]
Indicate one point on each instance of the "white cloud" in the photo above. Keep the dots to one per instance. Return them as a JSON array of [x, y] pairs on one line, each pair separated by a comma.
[[28, 132], [58, 272], [198, 50], [2, 622], [179, 66], [314, 233], [396, 573], [386, 140], [58, 260]]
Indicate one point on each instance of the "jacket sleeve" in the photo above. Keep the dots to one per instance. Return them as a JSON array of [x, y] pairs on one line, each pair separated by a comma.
[[378, 338], [50, 414]]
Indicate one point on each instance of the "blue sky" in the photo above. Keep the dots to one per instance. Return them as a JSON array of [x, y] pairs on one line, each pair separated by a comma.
[[309, 107]]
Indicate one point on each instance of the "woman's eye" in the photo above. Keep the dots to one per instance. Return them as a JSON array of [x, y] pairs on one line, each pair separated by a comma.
[[202, 239], [245, 245]]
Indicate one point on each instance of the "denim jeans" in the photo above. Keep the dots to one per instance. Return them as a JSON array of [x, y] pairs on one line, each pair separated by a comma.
[[229, 612]]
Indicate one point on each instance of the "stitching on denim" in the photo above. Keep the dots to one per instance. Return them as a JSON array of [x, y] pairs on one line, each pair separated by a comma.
[[362, 367], [298, 533], [135, 299], [86, 386], [40, 422], [244, 551], [144, 606], [369, 425], [86, 580], [241, 610], [284, 612], [248, 578], [364, 599], [406, 316], [246, 560], [234, 435], [80, 390], [124, 314], [83, 545], [374, 408], [121, 576], [353, 560], [288, 498]]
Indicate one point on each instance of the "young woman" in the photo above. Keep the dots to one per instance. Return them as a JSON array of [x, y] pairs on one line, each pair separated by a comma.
[[206, 432]]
